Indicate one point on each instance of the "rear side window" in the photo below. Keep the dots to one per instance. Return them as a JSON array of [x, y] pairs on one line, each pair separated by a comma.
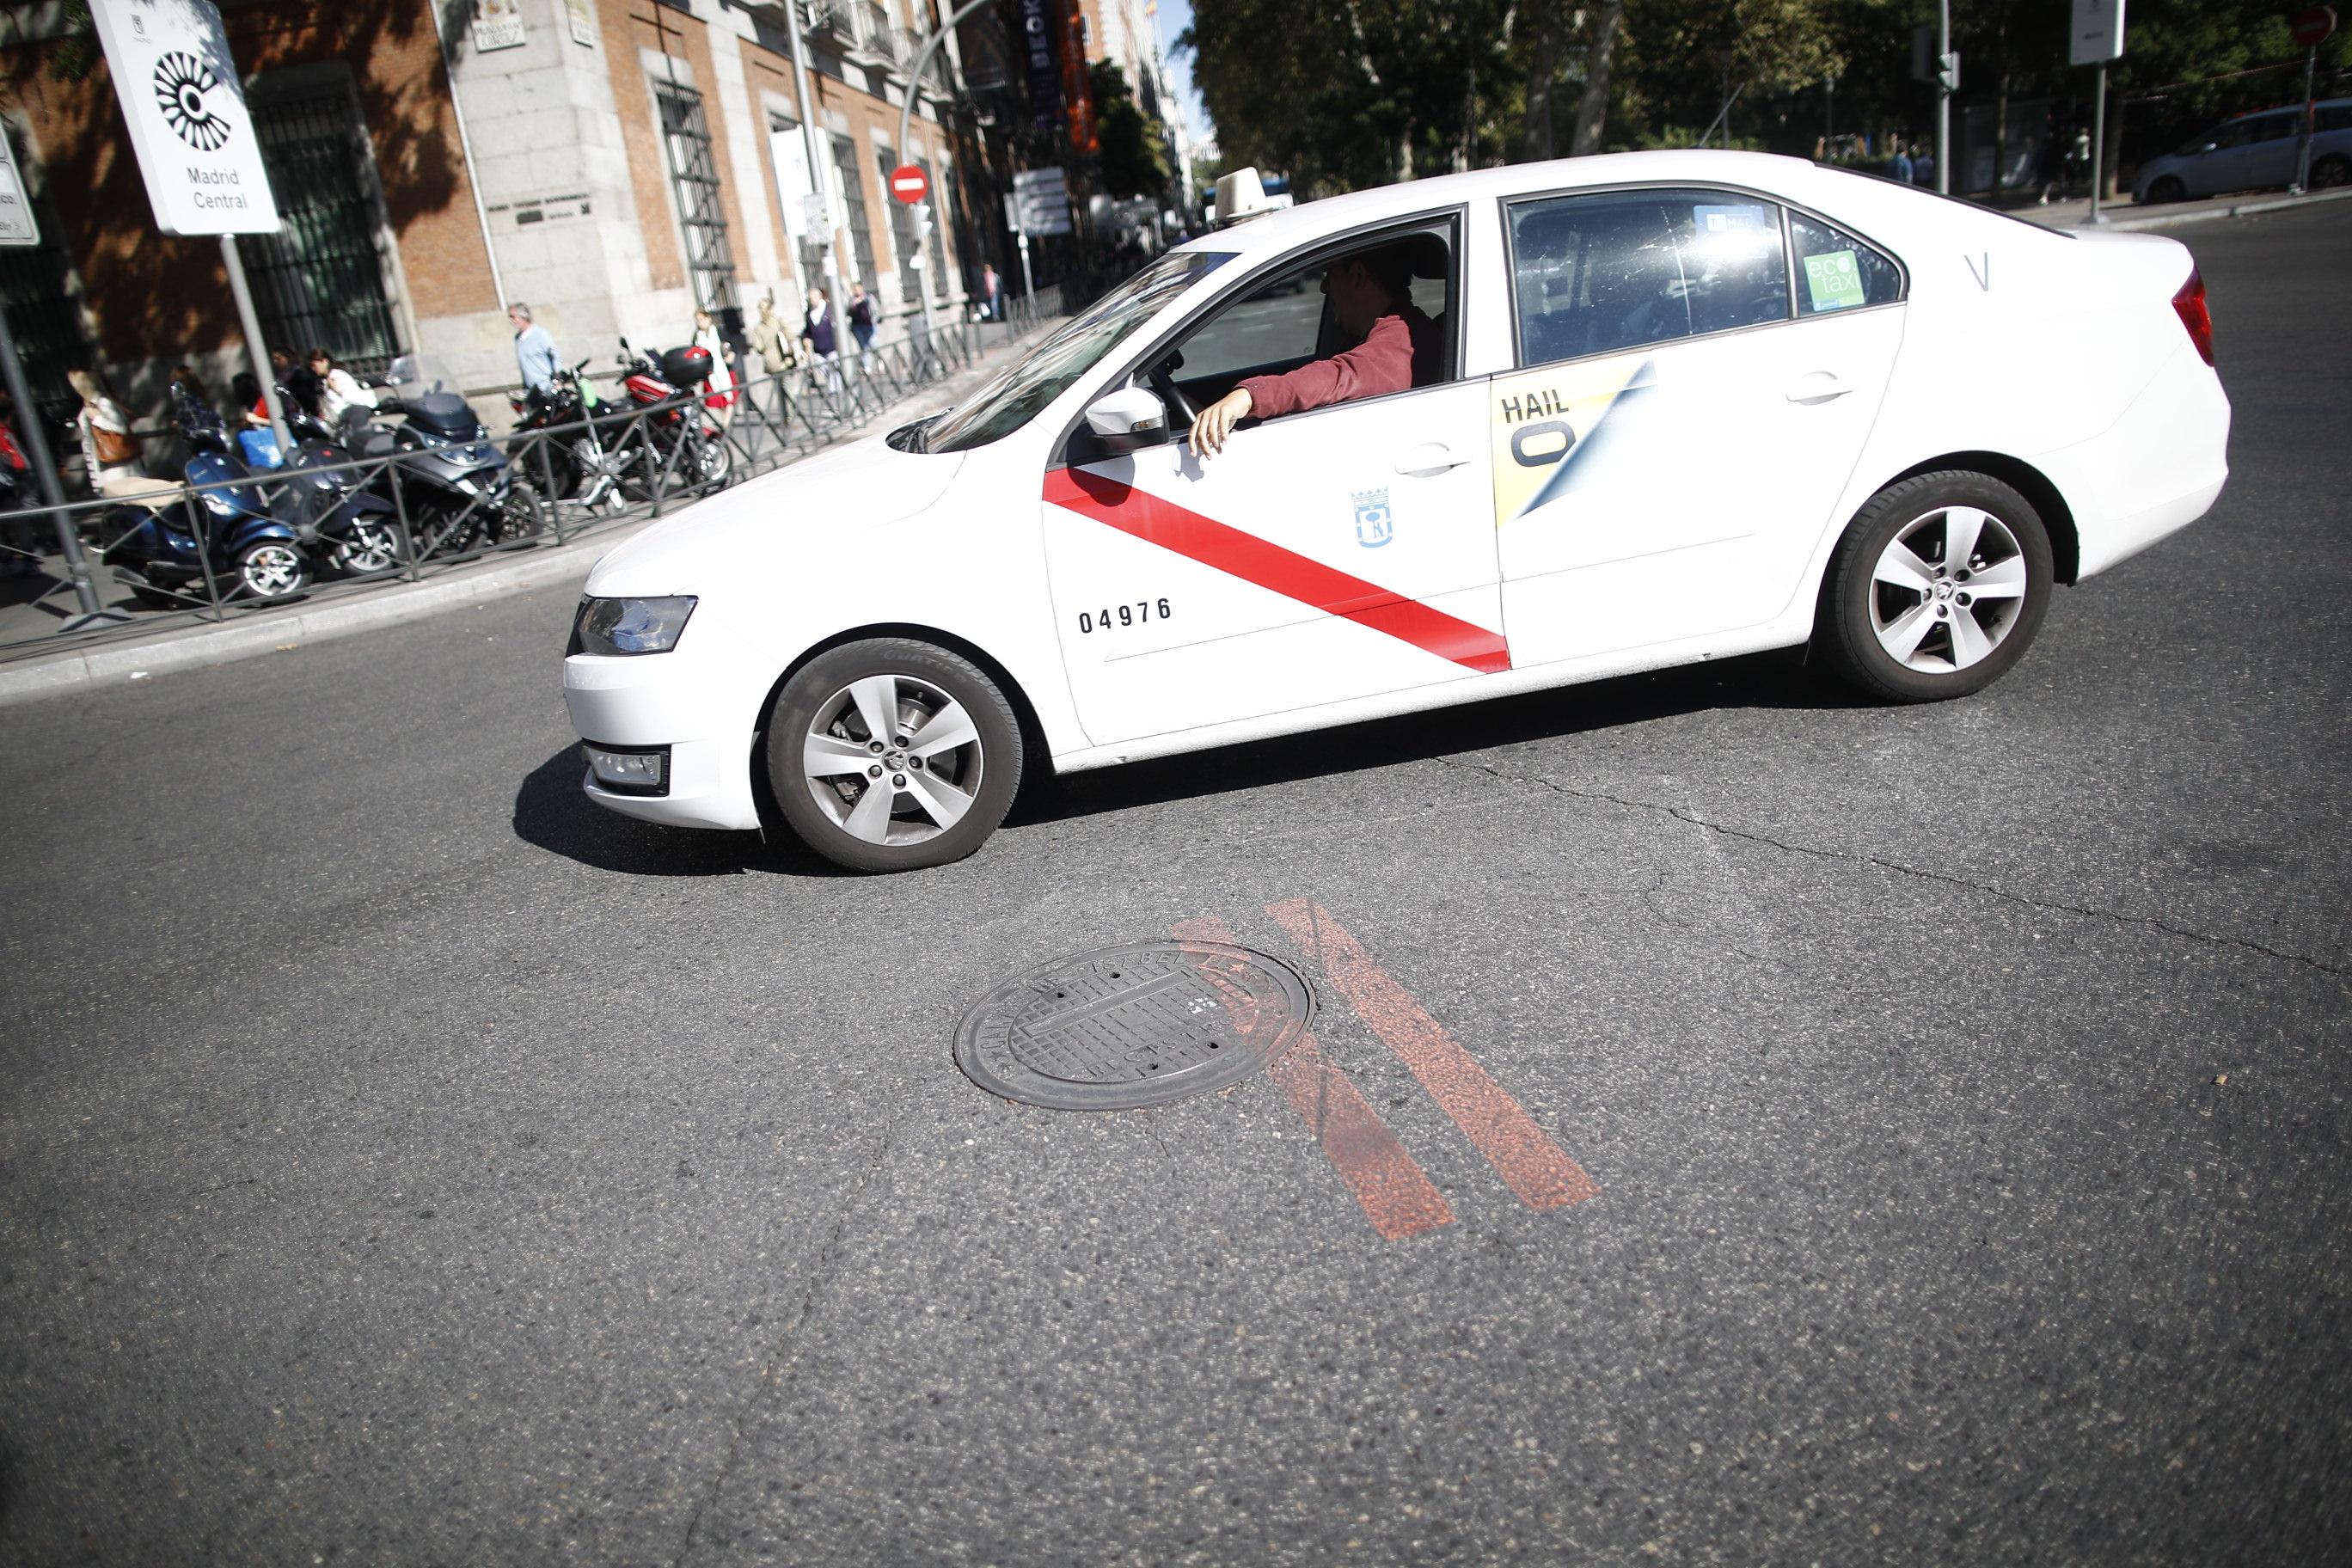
[[1595, 274], [1835, 271], [2337, 119]]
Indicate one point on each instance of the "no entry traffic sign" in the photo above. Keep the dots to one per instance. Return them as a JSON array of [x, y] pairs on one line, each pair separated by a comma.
[[2312, 27], [908, 184]]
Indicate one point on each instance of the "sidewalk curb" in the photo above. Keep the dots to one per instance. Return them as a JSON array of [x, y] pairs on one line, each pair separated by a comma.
[[276, 631], [2205, 214]]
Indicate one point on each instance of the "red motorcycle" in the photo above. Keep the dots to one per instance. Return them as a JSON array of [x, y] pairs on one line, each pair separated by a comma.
[[681, 444]]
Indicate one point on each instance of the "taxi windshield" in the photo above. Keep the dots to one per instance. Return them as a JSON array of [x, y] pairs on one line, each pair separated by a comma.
[[1014, 398]]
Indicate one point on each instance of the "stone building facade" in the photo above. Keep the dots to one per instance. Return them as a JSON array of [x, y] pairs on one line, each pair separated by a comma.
[[614, 163]]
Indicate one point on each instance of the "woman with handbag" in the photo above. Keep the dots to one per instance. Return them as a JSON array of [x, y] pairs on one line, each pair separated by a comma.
[[109, 457]]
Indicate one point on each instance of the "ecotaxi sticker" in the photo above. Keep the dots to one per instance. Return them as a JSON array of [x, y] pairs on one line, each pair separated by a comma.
[[1834, 280]]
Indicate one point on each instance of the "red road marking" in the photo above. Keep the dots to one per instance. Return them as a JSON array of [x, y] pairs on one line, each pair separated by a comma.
[[1157, 521], [1522, 1153], [1394, 1191]]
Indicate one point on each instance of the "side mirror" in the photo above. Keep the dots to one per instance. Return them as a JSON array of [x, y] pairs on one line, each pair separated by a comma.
[[1127, 420]]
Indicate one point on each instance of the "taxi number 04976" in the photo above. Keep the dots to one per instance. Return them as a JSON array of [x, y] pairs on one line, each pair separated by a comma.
[[1124, 615]]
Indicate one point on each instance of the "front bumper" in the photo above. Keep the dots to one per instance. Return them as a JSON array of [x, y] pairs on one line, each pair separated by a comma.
[[667, 700]]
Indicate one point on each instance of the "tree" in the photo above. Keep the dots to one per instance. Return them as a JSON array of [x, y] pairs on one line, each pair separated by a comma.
[[1134, 145]]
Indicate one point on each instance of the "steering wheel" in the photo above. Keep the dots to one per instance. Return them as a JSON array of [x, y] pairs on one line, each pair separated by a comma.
[[1173, 396]]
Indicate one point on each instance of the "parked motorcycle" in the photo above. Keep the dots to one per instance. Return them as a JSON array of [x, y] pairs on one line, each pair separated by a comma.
[[583, 461], [681, 441], [459, 491], [259, 536]]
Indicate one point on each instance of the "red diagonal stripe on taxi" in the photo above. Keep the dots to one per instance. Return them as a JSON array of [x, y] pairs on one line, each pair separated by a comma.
[[1157, 521]]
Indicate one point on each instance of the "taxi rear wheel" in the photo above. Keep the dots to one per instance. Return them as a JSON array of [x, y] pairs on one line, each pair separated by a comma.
[[891, 754], [1936, 589]]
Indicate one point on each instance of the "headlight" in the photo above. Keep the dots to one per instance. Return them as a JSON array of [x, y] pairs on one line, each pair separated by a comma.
[[631, 625]]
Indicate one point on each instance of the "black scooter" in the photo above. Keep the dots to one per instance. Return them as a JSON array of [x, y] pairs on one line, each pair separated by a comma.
[[459, 491]]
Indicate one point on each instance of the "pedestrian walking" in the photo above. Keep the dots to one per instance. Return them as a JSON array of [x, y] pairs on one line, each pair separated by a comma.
[[109, 457], [991, 293], [776, 353], [861, 318], [535, 353], [818, 332], [720, 390], [1899, 163]]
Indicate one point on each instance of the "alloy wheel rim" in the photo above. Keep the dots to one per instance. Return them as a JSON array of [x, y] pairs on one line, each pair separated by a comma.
[[273, 570], [1947, 590], [892, 760]]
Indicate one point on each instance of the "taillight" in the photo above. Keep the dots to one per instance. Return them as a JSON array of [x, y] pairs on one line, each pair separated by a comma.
[[2191, 304]]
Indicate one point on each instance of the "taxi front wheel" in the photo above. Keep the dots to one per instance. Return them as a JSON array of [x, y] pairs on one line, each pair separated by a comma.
[[1936, 589], [891, 754]]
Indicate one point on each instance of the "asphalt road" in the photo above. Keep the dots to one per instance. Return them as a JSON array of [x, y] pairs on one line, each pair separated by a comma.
[[402, 1161]]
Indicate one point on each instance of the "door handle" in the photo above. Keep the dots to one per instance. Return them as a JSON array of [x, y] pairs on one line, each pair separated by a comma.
[[1817, 386], [1429, 458]]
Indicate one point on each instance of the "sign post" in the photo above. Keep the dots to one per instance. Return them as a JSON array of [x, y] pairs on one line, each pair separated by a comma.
[[2312, 28], [2097, 37], [184, 103], [17, 228]]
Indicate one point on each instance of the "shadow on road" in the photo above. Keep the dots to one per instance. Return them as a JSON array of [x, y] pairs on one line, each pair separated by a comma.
[[1773, 680], [549, 810]]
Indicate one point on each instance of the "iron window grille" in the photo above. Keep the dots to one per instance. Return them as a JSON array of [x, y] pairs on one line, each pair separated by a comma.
[[853, 208], [701, 207], [320, 281]]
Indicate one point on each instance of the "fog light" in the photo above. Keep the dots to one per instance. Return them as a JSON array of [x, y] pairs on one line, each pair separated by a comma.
[[633, 773]]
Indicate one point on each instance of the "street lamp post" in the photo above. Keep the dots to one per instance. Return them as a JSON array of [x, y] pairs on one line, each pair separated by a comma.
[[907, 116]]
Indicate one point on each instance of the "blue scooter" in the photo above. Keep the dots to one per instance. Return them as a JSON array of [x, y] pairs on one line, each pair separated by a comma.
[[257, 544]]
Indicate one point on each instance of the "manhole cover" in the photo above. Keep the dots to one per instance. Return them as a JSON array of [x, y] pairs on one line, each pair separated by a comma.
[[1130, 1026]]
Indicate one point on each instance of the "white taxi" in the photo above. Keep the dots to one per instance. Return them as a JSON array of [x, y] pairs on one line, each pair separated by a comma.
[[1667, 407]]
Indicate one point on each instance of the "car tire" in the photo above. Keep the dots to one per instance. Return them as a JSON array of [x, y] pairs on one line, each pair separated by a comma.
[[2168, 189], [901, 806], [1901, 621], [2331, 172]]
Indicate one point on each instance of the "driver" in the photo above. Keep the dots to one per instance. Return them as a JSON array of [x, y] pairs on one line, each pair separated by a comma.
[[1396, 347]]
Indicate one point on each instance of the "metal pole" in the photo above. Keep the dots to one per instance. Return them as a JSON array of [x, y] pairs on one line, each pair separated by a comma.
[[2303, 152], [255, 346], [907, 116], [1028, 284], [2098, 141], [1943, 97], [820, 175], [36, 452]]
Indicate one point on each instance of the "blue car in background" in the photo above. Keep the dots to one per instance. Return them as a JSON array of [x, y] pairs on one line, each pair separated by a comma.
[[2250, 152]]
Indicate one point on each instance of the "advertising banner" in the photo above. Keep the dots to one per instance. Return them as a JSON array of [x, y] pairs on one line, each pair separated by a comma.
[[16, 224], [185, 105], [1040, 61]]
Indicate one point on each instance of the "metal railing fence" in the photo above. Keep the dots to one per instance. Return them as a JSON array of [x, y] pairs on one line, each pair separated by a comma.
[[619, 462]]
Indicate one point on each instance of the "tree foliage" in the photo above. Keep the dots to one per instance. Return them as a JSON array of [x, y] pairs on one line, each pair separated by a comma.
[[1343, 93]]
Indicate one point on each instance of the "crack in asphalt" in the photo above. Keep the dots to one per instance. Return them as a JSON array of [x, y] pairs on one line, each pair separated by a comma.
[[1685, 814], [828, 1257]]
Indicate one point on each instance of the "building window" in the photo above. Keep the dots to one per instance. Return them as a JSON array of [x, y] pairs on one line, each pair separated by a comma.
[[942, 200], [701, 213], [902, 235], [853, 208], [320, 281]]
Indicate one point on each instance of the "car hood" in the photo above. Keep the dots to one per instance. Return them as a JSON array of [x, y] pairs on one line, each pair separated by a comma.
[[808, 506]]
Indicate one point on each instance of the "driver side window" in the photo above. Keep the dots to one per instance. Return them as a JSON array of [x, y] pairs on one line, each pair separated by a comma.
[[1287, 320]]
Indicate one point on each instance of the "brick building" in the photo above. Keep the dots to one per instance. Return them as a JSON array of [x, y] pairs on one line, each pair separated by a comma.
[[613, 163]]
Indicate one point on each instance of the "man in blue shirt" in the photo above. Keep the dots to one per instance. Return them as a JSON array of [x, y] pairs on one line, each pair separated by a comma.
[[535, 350]]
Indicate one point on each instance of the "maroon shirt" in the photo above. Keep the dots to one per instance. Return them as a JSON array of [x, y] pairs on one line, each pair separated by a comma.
[[1385, 362]]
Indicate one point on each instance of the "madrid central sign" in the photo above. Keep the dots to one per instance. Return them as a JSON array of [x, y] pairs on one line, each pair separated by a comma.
[[185, 107]]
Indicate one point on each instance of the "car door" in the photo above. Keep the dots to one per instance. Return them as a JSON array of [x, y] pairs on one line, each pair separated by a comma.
[[1668, 456], [2226, 163], [1336, 553]]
